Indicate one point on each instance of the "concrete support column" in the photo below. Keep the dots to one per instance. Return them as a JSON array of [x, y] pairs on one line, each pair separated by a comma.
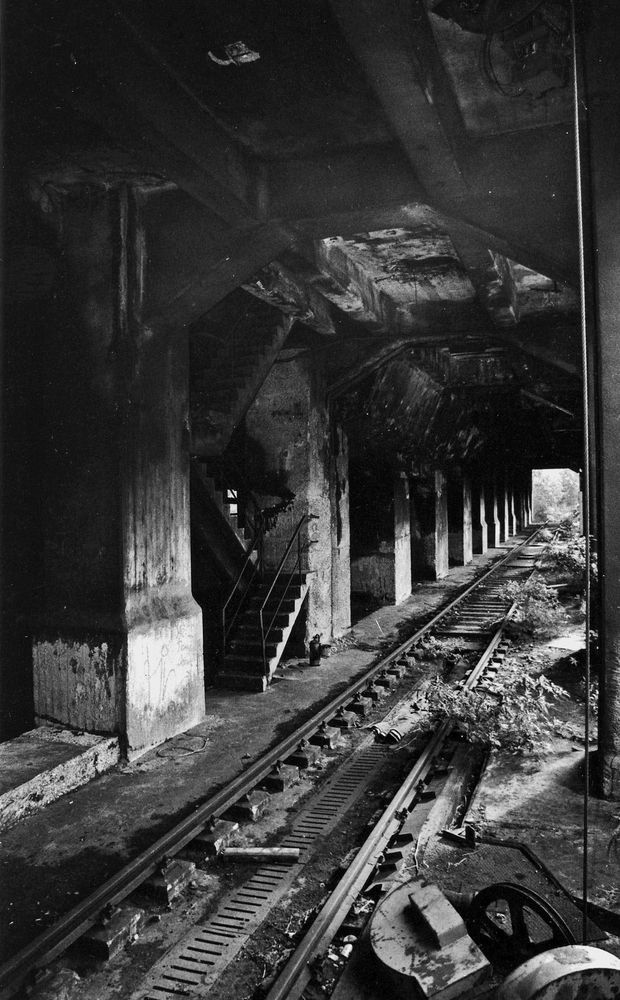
[[460, 520], [518, 506], [430, 533], [402, 538], [525, 499], [480, 539], [288, 432], [340, 528], [502, 507], [603, 101], [381, 549], [492, 518], [118, 646], [512, 516]]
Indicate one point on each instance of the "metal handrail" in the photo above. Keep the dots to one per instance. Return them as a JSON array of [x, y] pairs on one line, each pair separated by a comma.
[[257, 568], [295, 536], [231, 470]]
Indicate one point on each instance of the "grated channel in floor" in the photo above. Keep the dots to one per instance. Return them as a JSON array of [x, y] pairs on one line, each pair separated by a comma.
[[192, 966]]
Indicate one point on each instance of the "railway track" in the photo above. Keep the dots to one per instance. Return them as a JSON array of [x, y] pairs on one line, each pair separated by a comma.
[[476, 616]]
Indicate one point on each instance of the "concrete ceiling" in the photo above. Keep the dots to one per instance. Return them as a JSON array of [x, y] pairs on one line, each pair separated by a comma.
[[359, 171]]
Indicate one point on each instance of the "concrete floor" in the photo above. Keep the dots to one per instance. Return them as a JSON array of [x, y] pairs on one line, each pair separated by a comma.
[[51, 859]]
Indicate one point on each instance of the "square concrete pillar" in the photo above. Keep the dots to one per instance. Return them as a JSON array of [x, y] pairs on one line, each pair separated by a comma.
[[502, 508], [524, 481], [460, 520], [512, 517], [480, 539], [402, 538], [381, 531], [430, 551], [340, 529], [492, 519], [118, 645], [291, 443]]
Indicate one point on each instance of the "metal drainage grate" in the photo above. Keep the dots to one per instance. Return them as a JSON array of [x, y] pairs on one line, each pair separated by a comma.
[[193, 965]]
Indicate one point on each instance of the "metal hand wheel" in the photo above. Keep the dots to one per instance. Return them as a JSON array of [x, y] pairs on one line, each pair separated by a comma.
[[512, 923]]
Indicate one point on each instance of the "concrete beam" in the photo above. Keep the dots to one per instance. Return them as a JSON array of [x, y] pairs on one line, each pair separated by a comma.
[[517, 187], [289, 285]]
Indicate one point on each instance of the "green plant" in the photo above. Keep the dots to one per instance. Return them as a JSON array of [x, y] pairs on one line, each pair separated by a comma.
[[430, 648], [593, 695], [536, 612], [509, 714]]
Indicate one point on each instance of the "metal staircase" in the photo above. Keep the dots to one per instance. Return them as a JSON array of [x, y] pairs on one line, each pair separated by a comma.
[[223, 537], [259, 615]]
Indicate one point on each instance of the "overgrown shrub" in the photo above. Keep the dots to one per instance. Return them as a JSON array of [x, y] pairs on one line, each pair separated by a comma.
[[511, 713], [566, 555], [537, 611]]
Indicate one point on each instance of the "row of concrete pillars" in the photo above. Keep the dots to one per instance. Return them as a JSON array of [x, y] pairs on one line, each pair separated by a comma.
[[437, 521]]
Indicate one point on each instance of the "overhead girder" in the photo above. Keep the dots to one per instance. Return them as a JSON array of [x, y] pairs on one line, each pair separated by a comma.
[[479, 185], [518, 187]]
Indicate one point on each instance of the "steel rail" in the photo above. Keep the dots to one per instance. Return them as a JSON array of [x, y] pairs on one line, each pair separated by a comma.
[[53, 941], [297, 973]]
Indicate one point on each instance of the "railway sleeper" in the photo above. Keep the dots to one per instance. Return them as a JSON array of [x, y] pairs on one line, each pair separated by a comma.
[[116, 927], [375, 692], [304, 756], [344, 719], [216, 835], [386, 680], [280, 778], [249, 808], [326, 736], [170, 881], [361, 705]]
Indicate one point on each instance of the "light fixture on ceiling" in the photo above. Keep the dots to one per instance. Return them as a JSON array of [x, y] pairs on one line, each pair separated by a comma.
[[238, 53]]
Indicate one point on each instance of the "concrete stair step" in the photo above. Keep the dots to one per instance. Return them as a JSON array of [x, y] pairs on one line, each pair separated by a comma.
[[249, 626], [240, 681], [250, 648], [263, 589], [286, 608]]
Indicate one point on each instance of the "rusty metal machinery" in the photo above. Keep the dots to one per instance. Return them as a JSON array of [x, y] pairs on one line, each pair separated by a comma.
[[512, 923], [573, 972], [422, 944]]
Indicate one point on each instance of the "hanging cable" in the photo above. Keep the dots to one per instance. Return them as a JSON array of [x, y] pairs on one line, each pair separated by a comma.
[[586, 465]]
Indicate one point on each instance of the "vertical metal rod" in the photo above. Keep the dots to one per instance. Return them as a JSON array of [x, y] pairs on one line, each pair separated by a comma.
[[263, 642], [586, 468]]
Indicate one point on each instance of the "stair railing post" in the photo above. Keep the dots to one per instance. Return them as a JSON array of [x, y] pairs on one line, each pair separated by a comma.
[[263, 641], [223, 651]]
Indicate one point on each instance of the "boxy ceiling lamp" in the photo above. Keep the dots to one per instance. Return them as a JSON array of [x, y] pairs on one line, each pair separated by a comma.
[[237, 54]]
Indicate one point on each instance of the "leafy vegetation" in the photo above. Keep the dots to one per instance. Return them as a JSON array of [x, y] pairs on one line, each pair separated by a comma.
[[555, 493], [511, 713], [537, 611], [565, 558]]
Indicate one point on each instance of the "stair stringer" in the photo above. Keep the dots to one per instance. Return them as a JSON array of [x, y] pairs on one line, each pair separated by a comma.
[[232, 675]]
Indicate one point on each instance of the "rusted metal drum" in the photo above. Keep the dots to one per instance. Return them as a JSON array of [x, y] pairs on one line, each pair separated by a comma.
[[573, 972]]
